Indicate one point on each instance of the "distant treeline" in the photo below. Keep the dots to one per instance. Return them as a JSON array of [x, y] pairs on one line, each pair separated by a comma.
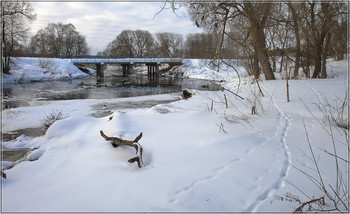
[[141, 43]]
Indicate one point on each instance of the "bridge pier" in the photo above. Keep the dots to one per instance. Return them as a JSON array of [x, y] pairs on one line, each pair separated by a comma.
[[99, 70], [127, 68], [152, 71], [127, 64]]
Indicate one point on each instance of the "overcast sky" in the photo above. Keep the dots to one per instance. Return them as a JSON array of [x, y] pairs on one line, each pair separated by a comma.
[[101, 22]]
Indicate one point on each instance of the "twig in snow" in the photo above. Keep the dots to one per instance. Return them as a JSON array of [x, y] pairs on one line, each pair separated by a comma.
[[300, 208]]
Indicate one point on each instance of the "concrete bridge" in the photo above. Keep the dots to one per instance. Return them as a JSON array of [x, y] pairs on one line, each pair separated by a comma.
[[127, 63]]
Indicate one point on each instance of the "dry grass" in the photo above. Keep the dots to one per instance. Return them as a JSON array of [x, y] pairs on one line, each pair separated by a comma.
[[50, 118]]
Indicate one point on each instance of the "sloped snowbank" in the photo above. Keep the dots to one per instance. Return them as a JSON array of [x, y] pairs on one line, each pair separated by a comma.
[[204, 69], [28, 69]]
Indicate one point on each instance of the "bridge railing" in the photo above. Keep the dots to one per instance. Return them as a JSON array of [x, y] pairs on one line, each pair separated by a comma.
[[125, 60]]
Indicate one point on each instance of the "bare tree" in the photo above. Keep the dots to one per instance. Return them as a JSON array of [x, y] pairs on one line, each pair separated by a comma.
[[15, 16], [169, 45], [340, 35], [81, 47], [129, 43], [59, 40], [320, 19], [144, 43], [200, 45], [121, 46], [39, 44], [217, 16]]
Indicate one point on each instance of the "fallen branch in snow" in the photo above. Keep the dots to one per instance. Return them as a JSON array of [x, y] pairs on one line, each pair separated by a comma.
[[225, 89], [232, 93], [300, 208], [118, 141]]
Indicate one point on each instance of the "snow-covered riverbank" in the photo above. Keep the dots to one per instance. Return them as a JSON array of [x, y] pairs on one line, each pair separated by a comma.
[[28, 69], [201, 154]]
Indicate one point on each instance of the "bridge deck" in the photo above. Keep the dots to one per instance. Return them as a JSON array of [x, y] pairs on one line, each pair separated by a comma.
[[125, 60]]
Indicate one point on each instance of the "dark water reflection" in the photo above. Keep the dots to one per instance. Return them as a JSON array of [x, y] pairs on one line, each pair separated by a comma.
[[16, 95]]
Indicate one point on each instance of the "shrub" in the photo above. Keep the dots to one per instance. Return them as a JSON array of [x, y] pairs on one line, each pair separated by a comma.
[[50, 119], [46, 63]]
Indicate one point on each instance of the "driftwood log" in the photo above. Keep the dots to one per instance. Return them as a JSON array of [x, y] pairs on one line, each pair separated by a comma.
[[118, 141]]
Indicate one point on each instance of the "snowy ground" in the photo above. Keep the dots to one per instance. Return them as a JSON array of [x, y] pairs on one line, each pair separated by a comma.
[[199, 155]]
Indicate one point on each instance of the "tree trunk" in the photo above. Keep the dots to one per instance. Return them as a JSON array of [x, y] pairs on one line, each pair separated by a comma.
[[6, 65], [281, 66], [324, 55], [297, 39], [317, 61], [6, 57], [297, 56], [256, 66], [284, 52], [307, 59], [263, 57], [258, 15]]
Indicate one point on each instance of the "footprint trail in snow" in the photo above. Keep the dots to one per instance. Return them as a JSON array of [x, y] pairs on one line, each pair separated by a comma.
[[282, 127]]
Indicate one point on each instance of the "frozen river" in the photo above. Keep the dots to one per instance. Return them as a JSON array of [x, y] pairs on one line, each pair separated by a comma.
[[19, 95]]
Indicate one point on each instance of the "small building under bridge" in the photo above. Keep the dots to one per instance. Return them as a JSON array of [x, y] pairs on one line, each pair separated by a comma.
[[127, 64]]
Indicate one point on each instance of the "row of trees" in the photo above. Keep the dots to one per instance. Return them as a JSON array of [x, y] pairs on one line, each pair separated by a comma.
[[141, 43], [305, 33]]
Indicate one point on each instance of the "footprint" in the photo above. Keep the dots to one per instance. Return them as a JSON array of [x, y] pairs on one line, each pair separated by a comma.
[[249, 151]]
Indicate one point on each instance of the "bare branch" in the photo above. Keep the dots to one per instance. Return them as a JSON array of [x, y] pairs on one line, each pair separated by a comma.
[[300, 208], [118, 141]]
